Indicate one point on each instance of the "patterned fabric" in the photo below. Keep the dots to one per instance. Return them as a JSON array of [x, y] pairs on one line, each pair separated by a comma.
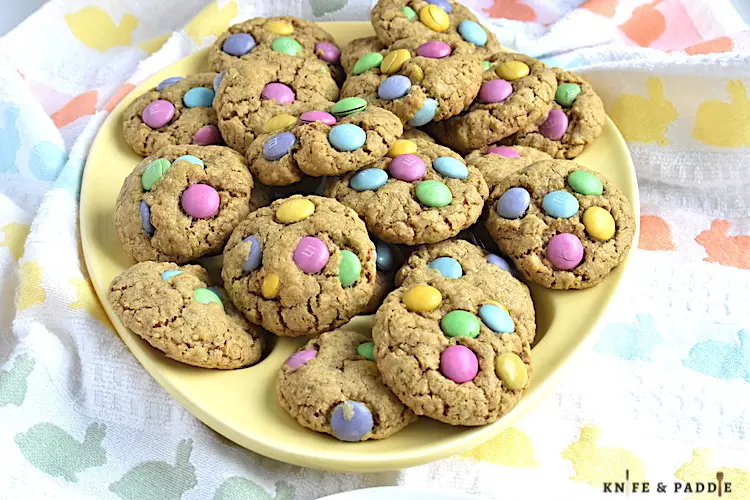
[[662, 391]]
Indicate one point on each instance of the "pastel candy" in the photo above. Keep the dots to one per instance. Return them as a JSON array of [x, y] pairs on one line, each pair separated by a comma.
[[425, 114], [348, 106], [383, 256], [278, 146], [347, 137], [168, 81], [495, 91], [190, 158], [564, 251], [327, 52], [254, 256], [279, 122], [154, 172], [513, 203], [278, 92], [496, 318], [394, 60], [511, 369], [217, 80], [459, 364], [448, 267], [270, 286], [567, 93], [351, 421], [169, 273], [158, 113], [416, 74], [434, 18], [504, 151], [434, 194], [472, 32], [407, 168], [295, 210], [286, 45], [450, 167], [394, 87], [599, 223], [200, 201], [206, 296], [199, 97], [300, 358], [311, 255], [207, 135], [279, 27], [409, 13], [402, 147], [560, 204], [238, 44], [434, 49], [512, 70], [443, 4], [367, 350], [585, 183], [145, 212], [368, 179], [555, 125], [367, 62], [317, 116], [499, 262], [460, 324], [349, 268], [422, 298], [486, 65]]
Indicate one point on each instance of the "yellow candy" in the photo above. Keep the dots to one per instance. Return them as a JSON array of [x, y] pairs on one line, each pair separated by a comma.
[[294, 211], [512, 371], [402, 147], [279, 122], [394, 60], [422, 298], [270, 286], [279, 27], [416, 74], [512, 70], [599, 223], [434, 17]]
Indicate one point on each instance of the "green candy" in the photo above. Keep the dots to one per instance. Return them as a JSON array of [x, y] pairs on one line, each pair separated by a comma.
[[286, 45], [566, 94], [204, 296], [154, 172], [486, 65], [349, 268], [434, 194], [460, 324], [409, 13], [366, 350], [585, 183], [367, 62], [349, 106]]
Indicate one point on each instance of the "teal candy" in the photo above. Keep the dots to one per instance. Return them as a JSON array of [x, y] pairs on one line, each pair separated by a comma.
[[460, 324], [585, 183], [560, 204], [286, 45], [199, 97], [367, 350], [349, 268], [154, 172], [496, 318], [409, 13], [347, 137], [383, 256], [448, 267], [192, 159], [170, 273], [425, 114], [368, 179], [434, 194], [451, 167], [205, 296], [472, 32]]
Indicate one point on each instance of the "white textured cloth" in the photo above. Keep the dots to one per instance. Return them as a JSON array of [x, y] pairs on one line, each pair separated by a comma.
[[663, 393]]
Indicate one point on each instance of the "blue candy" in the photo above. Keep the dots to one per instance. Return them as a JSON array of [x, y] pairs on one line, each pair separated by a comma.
[[168, 81], [254, 256], [169, 273], [499, 262], [217, 80], [496, 318], [238, 44], [145, 211], [351, 421], [394, 87], [560, 204], [513, 203], [443, 4], [425, 114], [192, 159], [347, 137], [451, 167], [472, 32], [199, 96], [368, 179], [278, 146], [447, 267], [383, 256]]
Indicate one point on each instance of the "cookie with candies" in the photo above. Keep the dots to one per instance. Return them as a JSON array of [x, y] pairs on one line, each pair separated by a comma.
[[179, 110], [420, 193], [444, 20], [301, 266], [419, 81], [182, 203], [334, 140], [563, 225], [497, 162], [452, 351], [332, 385], [516, 93], [575, 120]]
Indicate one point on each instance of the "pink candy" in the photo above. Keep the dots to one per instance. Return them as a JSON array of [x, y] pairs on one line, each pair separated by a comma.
[[496, 90], [278, 92], [504, 151], [407, 168], [459, 363], [200, 201], [317, 116], [327, 51], [565, 251], [434, 50], [311, 255], [158, 113], [207, 135], [300, 358], [555, 125]]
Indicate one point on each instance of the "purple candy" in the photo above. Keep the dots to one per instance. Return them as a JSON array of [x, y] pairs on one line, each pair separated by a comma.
[[300, 358], [318, 116], [496, 90], [565, 251], [434, 50], [327, 51], [351, 421], [311, 255], [217, 80], [394, 87], [207, 135], [443, 4], [407, 168], [278, 146], [158, 113], [255, 255], [146, 218], [513, 203], [504, 151], [168, 81], [555, 125], [238, 44], [278, 92], [499, 262]]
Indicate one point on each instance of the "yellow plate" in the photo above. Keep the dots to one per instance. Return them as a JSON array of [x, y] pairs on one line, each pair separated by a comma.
[[241, 404]]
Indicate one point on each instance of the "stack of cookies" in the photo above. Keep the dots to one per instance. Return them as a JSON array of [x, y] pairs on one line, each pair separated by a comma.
[[335, 183]]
